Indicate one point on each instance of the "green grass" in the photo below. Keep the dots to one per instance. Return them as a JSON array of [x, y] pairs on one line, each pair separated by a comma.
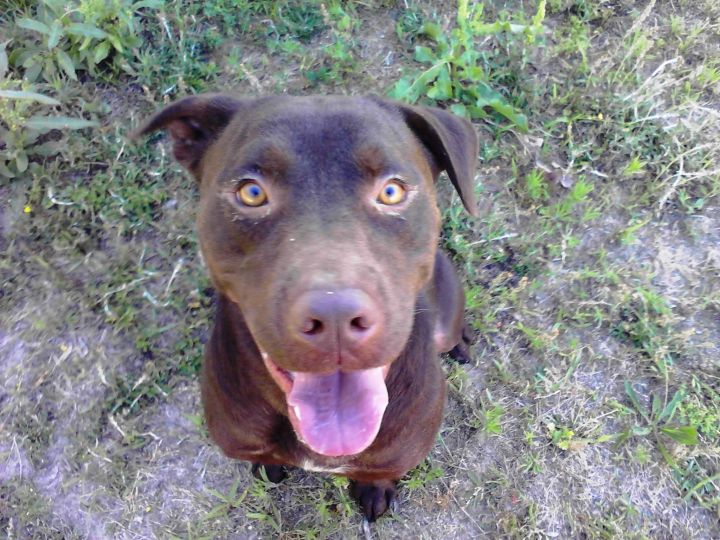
[[592, 405]]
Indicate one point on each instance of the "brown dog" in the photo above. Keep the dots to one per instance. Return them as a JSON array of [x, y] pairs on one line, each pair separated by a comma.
[[319, 226]]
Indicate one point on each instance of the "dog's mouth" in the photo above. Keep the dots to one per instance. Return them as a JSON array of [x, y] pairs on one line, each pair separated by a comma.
[[335, 414]]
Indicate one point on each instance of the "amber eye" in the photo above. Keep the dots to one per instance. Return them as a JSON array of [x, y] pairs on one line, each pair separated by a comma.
[[393, 192], [250, 193]]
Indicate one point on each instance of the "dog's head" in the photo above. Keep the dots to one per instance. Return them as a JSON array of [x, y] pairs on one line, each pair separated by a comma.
[[318, 218]]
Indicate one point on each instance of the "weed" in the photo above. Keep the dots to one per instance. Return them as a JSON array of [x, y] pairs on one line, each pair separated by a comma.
[[228, 502], [422, 475], [298, 20], [643, 321], [531, 463], [701, 408], [409, 25], [459, 74], [576, 40], [657, 421], [561, 436], [338, 59], [536, 186], [565, 209], [81, 34], [22, 132]]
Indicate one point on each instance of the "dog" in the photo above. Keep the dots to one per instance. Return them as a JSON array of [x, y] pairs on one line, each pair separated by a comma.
[[319, 226]]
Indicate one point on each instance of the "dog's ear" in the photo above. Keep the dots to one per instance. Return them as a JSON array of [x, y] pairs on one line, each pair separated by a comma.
[[194, 123], [450, 139]]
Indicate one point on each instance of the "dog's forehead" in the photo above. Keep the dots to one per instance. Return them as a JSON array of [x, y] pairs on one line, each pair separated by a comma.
[[331, 122], [334, 134]]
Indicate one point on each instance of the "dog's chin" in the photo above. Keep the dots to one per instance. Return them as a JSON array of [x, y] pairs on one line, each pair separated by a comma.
[[337, 413]]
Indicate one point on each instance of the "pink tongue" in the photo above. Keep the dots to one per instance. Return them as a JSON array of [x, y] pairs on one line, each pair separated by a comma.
[[338, 414]]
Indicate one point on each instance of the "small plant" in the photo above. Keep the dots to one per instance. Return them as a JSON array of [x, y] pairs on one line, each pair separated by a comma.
[[563, 210], [459, 74], [299, 20], [67, 36], [21, 129], [409, 25], [702, 409], [536, 184], [657, 421], [531, 463], [561, 436], [634, 167], [489, 417], [229, 501], [422, 475], [338, 59], [627, 235], [643, 322]]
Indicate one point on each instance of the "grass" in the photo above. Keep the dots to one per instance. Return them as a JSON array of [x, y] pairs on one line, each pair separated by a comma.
[[592, 405]]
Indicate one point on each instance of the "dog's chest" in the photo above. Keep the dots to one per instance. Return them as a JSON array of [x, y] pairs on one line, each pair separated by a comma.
[[310, 465]]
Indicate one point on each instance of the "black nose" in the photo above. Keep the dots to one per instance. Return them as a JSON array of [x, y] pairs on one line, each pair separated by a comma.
[[330, 320]]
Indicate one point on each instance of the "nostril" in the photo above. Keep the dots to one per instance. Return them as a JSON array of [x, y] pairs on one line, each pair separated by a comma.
[[312, 327], [360, 324]]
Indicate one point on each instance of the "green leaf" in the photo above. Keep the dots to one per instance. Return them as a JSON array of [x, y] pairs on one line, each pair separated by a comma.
[[401, 90], [49, 148], [539, 16], [152, 4], [656, 404], [87, 31], [66, 64], [35, 26], [459, 109], [86, 43], [442, 89], [495, 100], [32, 70], [4, 171], [58, 122], [432, 30], [684, 435], [3, 61], [49, 69], [19, 56], [23, 94], [424, 55], [55, 35], [630, 391], [21, 161], [101, 52], [669, 409], [115, 42]]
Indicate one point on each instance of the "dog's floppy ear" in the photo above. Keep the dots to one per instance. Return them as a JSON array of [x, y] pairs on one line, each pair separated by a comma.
[[194, 123], [451, 140]]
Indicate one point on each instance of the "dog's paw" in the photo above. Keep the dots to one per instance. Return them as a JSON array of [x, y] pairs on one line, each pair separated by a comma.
[[374, 498], [461, 352], [274, 473]]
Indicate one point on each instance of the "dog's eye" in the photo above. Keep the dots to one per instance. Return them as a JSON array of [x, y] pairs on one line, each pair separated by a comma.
[[250, 193], [393, 192]]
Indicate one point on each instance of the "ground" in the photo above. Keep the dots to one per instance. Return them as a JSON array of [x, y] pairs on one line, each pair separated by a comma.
[[591, 407]]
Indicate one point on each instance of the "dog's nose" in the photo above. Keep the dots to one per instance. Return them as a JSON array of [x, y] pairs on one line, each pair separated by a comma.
[[331, 320]]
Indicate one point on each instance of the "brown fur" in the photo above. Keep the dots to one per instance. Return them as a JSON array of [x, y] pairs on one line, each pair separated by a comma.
[[320, 160]]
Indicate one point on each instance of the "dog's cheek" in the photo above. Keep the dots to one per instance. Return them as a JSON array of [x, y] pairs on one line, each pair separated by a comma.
[[418, 243], [236, 254]]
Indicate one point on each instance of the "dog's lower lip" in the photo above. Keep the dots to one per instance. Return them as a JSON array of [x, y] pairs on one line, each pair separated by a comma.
[[282, 377]]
